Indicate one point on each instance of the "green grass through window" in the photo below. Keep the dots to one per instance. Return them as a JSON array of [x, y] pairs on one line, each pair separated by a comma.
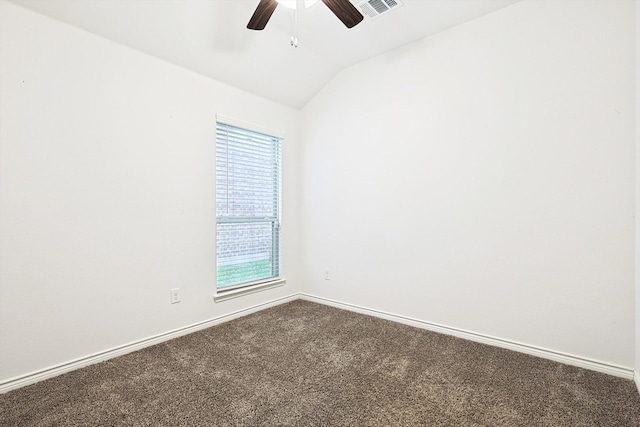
[[245, 272]]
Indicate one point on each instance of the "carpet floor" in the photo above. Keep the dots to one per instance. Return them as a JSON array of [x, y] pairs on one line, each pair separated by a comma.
[[305, 364]]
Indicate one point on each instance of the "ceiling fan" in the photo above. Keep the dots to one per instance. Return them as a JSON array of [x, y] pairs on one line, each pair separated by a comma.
[[343, 9]]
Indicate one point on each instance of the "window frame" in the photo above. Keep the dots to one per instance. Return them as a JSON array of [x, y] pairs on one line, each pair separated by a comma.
[[231, 291]]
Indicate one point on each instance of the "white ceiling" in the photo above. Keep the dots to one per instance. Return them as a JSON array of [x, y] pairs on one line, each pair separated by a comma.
[[210, 37]]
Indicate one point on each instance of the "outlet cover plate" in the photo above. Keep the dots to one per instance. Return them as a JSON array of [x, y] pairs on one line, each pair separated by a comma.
[[176, 295]]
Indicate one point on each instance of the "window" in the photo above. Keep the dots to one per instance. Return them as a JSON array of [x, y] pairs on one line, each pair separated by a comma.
[[247, 206]]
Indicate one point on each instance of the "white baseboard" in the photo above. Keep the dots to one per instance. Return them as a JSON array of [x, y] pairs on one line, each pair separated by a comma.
[[568, 359], [54, 371], [594, 365]]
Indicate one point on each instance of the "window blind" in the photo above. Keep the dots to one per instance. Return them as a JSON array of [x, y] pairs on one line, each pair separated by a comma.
[[248, 182]]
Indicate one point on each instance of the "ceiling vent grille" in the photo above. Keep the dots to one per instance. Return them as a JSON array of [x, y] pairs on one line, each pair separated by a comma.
[[375, 8]]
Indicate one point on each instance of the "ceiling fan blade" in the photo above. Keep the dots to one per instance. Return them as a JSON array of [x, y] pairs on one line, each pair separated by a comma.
[[262, 14], [345, 11]]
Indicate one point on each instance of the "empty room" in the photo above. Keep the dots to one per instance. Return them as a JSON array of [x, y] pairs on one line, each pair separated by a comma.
[[327, 213]]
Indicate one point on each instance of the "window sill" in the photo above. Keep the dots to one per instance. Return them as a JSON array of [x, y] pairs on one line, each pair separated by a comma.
[[238, 292]]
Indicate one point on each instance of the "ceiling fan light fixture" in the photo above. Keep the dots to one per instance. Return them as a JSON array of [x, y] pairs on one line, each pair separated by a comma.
[[292, 4], [344, 10]]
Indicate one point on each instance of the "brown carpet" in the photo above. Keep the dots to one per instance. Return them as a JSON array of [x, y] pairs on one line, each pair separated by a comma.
[[305, 364]]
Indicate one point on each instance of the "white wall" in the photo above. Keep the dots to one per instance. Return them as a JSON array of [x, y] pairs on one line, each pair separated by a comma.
[[637, 265], [107, 193], [483, 179]]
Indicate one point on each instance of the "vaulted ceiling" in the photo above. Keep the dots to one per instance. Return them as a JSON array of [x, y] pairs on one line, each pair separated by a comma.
[[210, 37]]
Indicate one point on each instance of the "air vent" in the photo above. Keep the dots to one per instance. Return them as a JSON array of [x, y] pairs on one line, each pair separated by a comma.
[[375, 8]]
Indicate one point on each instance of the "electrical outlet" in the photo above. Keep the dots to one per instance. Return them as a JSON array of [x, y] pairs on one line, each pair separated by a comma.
[[176, 295], [326, 274]]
